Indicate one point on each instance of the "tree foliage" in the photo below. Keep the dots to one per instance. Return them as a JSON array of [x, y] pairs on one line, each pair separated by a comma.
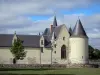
[[17, 50], [94, 53]]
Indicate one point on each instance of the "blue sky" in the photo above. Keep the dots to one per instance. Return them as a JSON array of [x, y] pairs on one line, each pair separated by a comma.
[[33, 16], [90, 10]]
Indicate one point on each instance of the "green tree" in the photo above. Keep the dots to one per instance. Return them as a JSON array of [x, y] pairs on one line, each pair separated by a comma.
[[91, 50], [97, 53], [94, 53], [17, 50]]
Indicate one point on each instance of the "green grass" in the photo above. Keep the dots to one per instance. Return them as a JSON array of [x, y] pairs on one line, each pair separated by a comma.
[[68, 71]]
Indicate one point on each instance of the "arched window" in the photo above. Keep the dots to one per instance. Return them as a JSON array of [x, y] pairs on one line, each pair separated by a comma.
[[63, 52]]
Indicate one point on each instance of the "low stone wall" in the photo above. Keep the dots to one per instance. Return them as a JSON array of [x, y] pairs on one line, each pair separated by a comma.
[[32, 66], [83, 66], [54, 66]]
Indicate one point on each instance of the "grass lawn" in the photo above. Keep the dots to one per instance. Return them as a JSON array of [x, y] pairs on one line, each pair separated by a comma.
[[68, 71]]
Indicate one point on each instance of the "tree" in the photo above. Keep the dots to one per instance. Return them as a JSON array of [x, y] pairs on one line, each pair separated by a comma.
[[97, 54], [91, 50], [17, 50], [94, 53]]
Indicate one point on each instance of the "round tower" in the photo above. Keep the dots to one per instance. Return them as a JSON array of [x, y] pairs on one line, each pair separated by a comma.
[[78, 45]]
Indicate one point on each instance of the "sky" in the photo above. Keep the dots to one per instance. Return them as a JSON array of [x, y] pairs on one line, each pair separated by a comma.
[[33, 16]]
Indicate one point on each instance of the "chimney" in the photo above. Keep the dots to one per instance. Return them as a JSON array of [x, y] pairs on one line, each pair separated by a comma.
[[51, 28]]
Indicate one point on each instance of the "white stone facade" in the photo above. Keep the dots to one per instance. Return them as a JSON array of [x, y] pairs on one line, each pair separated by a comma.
[[79, 50]]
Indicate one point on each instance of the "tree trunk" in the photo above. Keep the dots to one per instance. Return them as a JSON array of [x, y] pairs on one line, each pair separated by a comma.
[[14, 61]]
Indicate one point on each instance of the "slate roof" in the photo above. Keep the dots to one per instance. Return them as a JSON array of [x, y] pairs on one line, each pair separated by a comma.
[[70, 31], [5, 40], [57, 30], [78, 30], [46, 31], [29, 40], [47, 36]]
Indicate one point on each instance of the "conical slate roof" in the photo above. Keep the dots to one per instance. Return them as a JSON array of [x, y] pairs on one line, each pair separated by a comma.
[[54, 22], [78, 30]]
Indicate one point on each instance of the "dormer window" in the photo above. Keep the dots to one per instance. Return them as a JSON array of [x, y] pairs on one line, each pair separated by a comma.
[[41, 42], [63, 38]]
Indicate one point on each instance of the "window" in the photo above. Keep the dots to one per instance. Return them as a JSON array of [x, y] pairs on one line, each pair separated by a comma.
[[63, 52], [41, 49], [82, 57], [55, 52], [41, 42], [63, 38], [55, 45]]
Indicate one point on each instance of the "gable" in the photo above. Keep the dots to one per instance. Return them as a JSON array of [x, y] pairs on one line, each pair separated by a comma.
[[62, 31]]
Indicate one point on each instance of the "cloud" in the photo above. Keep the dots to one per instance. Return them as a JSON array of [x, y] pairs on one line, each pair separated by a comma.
[[15, 22], [94, 35], [96, 30], [91, 26], [15, 13], [38, 7], [25, 23]]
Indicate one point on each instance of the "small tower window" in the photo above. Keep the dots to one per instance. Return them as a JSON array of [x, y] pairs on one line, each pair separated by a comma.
[[41, 42], [63, 38], [82, 57]]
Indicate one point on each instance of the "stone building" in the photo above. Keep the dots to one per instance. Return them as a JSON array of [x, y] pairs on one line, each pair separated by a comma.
[[57, 45]]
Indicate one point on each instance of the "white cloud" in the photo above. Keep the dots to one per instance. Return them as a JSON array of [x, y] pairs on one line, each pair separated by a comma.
[[25, 24], [9, 8], [94, 35], [96, 30], [14, 13]]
